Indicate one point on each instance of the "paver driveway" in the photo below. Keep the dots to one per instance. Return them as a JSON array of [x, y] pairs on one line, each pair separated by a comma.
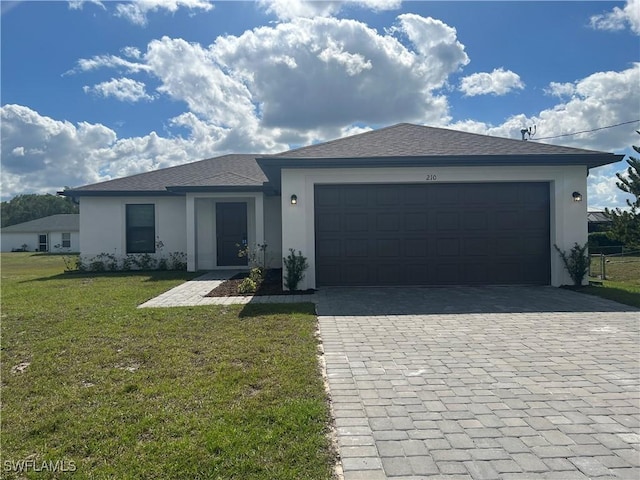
[[482, 383]]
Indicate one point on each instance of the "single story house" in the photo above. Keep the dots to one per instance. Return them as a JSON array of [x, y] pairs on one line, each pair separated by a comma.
[[402, 205], [598, 221], [55, 233]]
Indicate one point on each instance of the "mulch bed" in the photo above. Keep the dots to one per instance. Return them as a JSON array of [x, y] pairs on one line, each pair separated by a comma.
[[271, 285]]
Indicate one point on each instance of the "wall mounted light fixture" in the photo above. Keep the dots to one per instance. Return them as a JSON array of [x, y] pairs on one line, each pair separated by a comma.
[[294, 199], [577, 196]]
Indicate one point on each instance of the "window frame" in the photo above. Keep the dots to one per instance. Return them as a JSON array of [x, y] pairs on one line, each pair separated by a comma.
[[134, 234], [65, 242]]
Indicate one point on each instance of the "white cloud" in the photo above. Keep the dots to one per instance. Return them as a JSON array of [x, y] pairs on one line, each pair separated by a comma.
[[41, 154], [131, 52], [560, 90], [123, 89], [348, 64], [79, 4], [107, 61], [619, 18], [136, 12], [599, 100], [498, 82], [602, 191], [290, 9]]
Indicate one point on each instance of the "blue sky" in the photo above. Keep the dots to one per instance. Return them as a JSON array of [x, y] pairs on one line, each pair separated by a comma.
[[96, 90]]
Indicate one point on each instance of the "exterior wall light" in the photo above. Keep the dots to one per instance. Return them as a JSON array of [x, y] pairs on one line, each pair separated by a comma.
[[294, 199], [577, 196]]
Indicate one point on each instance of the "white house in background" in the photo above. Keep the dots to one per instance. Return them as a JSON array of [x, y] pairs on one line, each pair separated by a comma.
[[56, 233], [402, 205]]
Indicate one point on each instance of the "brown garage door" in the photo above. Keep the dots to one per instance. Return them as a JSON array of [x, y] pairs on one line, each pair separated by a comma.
[[432, 234]]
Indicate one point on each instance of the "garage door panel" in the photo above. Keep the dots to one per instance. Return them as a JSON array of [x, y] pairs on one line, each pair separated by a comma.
[[356, 248], [355, 222], [415, 248], [388, 248], [356, 197], [387, 222], [432, 234], [447, 221], [448, 247]]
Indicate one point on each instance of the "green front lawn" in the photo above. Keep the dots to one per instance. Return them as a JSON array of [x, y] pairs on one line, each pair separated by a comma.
[[623, 279], [201, 392]]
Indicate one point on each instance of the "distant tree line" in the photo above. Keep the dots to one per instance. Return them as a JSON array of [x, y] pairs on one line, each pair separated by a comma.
[[23, 208]]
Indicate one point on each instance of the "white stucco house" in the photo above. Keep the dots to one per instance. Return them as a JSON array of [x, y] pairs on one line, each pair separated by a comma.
[[402, 205], [55, 233]]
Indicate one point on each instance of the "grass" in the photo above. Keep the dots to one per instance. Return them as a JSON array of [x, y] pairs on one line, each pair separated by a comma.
[[227, 392], [622, 283]]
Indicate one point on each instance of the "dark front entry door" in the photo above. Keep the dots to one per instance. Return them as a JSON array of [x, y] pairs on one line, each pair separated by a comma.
[[231, 231]]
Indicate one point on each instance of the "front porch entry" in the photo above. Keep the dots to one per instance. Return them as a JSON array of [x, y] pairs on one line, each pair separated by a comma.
[[219, 225]]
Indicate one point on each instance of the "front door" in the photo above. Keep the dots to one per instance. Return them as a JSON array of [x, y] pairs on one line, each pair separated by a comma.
[[231, 233], [43, 242]]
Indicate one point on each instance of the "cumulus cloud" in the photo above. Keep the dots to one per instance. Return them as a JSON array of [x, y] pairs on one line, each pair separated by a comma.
[[290, 9], [123, 89], [599, 100], [498, 82], [561, 90], [619, 18], [40, 153], [335, 67], [136, 12]]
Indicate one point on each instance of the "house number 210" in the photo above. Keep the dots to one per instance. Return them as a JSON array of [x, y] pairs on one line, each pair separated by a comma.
[[431, 178]]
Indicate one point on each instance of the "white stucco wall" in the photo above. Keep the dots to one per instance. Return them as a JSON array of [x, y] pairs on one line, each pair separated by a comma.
[[102, 224], [568, 218], [183, 223], [11, 241]]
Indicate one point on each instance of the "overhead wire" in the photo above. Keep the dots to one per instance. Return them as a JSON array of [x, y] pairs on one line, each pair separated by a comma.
[[586, 131]]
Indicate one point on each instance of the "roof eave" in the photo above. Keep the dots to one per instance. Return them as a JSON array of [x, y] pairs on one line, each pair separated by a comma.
[[116, 193]]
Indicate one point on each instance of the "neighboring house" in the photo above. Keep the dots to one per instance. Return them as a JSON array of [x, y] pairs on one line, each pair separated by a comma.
[[598, 221], [402, 205], [56, 233]]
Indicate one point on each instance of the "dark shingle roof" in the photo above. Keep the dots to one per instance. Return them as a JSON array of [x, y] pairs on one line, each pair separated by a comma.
[[224, 171], [403, 144], [407, 140], [63, 222], [598, 217]]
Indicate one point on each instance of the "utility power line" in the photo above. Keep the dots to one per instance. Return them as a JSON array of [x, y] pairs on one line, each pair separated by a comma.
[[587, 131]]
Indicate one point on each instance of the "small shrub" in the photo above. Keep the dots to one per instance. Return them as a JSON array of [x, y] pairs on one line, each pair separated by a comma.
[[144, 261], [72, 263], [295, 266], [97, 265], [178, 261], [248, 285], [128, 263], [257, 275], [576, 262], [163, 264]]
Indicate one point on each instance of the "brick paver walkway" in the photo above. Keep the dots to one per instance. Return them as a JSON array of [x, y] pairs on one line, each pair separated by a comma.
[[487, 383], [192, 293]]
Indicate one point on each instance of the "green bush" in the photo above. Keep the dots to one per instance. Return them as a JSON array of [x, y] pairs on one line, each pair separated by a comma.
[[257, 274], [295, 265], [248, 285], [576, 262]]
